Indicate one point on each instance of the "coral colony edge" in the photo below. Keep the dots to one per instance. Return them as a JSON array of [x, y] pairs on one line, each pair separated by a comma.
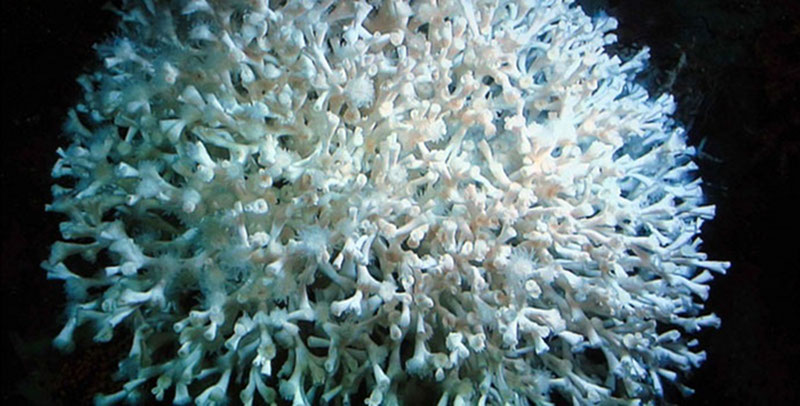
[[300, 202]]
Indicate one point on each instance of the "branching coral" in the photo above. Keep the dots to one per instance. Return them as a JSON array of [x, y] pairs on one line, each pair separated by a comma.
[[301, 199]]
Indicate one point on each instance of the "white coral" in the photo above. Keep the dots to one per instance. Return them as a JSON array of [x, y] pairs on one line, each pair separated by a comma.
[[470, 192]]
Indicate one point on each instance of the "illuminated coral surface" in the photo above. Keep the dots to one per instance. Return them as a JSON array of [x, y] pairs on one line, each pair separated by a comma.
[[300, 200]]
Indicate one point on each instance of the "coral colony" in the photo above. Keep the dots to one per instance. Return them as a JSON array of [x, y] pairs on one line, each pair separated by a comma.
[[317, 202]]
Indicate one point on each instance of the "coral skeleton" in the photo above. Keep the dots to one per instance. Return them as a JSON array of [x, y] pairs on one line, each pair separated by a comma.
[[311, 202]]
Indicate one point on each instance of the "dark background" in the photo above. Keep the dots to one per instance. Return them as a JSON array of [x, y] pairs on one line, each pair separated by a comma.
[[738, 95]]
